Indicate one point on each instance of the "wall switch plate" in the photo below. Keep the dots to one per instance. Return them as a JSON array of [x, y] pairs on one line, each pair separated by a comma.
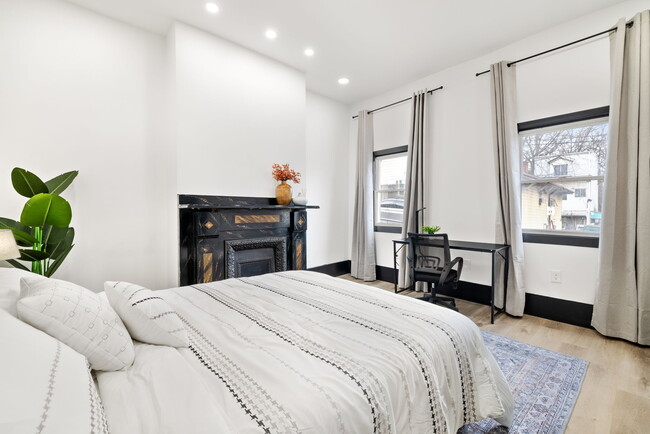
[[556, 276], [467, 264]]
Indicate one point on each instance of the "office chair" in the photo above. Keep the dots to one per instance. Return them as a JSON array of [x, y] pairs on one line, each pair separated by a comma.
[[430, 261]]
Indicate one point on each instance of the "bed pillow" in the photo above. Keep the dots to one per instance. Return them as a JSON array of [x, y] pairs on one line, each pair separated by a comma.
[[79, 318], [10, 287], [148, 317], [46, 386]]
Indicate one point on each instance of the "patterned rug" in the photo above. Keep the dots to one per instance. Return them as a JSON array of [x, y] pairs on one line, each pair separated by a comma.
[[545, 385]]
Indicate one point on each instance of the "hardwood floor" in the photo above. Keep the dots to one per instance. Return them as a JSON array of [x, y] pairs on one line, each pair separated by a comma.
[[615, 395]]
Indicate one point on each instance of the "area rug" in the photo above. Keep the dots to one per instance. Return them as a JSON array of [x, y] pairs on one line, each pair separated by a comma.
[[545, 385]]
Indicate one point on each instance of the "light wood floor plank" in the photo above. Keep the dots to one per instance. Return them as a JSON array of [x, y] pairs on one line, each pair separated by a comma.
[[615, 396]]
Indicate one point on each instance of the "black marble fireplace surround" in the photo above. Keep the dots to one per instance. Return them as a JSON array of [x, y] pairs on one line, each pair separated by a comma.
[[227, 236]]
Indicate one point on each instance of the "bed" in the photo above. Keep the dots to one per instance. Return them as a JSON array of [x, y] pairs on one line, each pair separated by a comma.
[[302, 352]]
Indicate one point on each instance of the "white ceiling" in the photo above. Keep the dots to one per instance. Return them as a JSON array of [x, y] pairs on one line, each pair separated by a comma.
[[377, 44]]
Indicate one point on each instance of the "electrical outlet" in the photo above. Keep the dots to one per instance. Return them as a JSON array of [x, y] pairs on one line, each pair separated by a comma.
[[467, 264], [556, 276]]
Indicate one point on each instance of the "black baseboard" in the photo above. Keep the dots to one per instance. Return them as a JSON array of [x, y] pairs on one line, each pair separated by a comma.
[[556, 309], [335, 269], [565, 311]]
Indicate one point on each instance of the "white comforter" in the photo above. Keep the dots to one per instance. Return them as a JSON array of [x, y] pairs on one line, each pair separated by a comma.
[[303, 352]]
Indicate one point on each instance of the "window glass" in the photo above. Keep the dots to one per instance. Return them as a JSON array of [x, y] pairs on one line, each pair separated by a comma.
[[562, 176], [390, 179]]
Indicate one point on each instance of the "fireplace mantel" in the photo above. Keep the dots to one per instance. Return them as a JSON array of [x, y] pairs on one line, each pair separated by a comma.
[[229, 236]]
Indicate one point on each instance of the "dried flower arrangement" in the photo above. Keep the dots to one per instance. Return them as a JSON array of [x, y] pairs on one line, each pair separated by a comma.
[[284, 173]]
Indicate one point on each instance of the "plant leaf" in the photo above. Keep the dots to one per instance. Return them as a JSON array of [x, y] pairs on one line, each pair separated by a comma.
[[18, 265], [45, 208], [26, 183], [60, 241], [21, 232], [56, 264], [32, 255], [58, 184]]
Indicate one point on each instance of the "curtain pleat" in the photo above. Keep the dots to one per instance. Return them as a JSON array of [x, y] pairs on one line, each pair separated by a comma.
[[622, 302], [363, 231], [415, 180], [508, 166]]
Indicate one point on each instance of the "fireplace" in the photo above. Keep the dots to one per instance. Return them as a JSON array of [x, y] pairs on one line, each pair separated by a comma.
[[224, 236], [251, 257]]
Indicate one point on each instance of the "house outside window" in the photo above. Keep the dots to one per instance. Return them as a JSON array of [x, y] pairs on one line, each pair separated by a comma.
[[563, 168], [389, 188]]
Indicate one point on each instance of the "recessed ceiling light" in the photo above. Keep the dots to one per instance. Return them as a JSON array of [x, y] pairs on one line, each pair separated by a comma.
[[309, 52], [213, 8], [271, 34], [344, 80]]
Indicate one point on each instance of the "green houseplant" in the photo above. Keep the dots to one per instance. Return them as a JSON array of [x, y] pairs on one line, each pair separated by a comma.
[[431, 229], [44, 229]]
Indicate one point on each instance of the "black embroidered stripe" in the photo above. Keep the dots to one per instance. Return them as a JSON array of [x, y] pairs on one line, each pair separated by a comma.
[[466, 378], [222, 360], [343, 293], [146, 299], [163, 314], [135, 292], [232, 391], [303, 349], [469, 410], [421, 363]]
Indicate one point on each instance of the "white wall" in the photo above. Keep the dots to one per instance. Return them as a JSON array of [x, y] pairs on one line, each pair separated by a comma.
[[461, 159], [237, 113], [327, 179], [144, 117], [80, 91]]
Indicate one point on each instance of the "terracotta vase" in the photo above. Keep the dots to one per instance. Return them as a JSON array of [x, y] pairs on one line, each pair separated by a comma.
[[283, 193]]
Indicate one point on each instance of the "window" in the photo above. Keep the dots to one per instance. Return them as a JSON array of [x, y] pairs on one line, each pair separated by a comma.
[[563, 167], [560, 169], [390, 179]]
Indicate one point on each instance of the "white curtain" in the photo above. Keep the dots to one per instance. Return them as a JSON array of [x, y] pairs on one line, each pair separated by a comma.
[[508, 165], [415, 183], [622, 305], [363, 236]]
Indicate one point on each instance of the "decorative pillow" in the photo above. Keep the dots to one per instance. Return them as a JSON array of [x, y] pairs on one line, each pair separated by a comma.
[[46, 386], [79, 318], [148, 317], [10, 287]]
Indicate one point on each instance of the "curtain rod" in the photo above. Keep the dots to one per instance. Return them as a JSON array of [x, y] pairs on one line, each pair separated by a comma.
[[629, 24], [395, 103]]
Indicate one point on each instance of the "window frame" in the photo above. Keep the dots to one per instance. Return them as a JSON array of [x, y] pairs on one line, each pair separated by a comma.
[[393, 229], [565, 238]]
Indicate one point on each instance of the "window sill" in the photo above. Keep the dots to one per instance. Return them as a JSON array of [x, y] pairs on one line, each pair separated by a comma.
[[566, 239], [389, 229]]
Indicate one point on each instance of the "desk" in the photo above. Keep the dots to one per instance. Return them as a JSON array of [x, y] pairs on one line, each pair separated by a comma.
[[503, 250]]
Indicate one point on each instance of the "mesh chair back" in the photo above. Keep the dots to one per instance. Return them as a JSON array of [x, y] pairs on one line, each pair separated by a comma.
[[428, 251]]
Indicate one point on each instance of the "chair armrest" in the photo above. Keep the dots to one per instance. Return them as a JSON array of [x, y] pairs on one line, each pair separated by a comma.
[[445, 271]]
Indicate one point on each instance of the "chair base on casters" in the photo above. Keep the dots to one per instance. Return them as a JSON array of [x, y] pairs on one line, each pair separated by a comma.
[[447, 302]]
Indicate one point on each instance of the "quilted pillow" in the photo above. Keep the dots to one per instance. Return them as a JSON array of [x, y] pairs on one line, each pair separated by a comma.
[[148, 317], [46, 386], [79, 318], [10, 287]]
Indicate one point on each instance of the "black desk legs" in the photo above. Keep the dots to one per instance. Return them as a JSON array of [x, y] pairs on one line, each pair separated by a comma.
[[395, 265], [493, 286], [506, 257]]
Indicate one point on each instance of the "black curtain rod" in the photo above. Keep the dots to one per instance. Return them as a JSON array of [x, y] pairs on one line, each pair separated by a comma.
[[395, 103], [629, 24]]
